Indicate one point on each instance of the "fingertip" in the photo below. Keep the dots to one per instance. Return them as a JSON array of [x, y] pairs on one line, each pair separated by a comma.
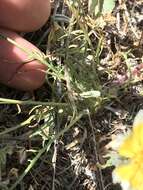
[[27, 81]]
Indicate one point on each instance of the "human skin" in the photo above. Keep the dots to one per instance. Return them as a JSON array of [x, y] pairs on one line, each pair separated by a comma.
[[21, 15], [24, 15]]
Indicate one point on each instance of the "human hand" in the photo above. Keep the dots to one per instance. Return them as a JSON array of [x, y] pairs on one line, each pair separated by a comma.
[[21, 15]]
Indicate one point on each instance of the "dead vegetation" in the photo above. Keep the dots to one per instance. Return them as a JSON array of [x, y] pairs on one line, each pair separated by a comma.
[[95, 77]]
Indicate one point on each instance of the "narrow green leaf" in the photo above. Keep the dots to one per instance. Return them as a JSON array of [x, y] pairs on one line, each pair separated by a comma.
[[92, 5], [108, 6], [98, 7], [91, 94]]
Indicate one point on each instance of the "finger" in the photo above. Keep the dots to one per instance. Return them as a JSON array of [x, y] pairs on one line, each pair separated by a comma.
[[13, 71], [24, 15]]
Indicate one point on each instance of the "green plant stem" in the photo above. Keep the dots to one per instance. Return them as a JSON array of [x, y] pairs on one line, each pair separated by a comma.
[[30, 102], [46, 148], [28, 121]]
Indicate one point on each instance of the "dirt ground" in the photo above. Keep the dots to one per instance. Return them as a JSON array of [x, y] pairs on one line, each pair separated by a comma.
[[76, 160]]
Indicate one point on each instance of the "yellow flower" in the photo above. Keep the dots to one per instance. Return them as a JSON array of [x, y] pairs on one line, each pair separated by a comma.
[[129, 173]]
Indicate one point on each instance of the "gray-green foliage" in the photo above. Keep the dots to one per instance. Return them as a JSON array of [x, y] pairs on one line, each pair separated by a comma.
[[98, 7], [3, 152]]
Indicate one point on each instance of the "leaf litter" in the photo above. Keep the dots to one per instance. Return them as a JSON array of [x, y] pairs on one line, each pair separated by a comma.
[[96, 49]]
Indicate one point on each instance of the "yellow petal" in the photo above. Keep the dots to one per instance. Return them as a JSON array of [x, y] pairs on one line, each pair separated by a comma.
[[137, 181], [131, 174], [138, 128], [126, 172], [133, 144], [129, 147]]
